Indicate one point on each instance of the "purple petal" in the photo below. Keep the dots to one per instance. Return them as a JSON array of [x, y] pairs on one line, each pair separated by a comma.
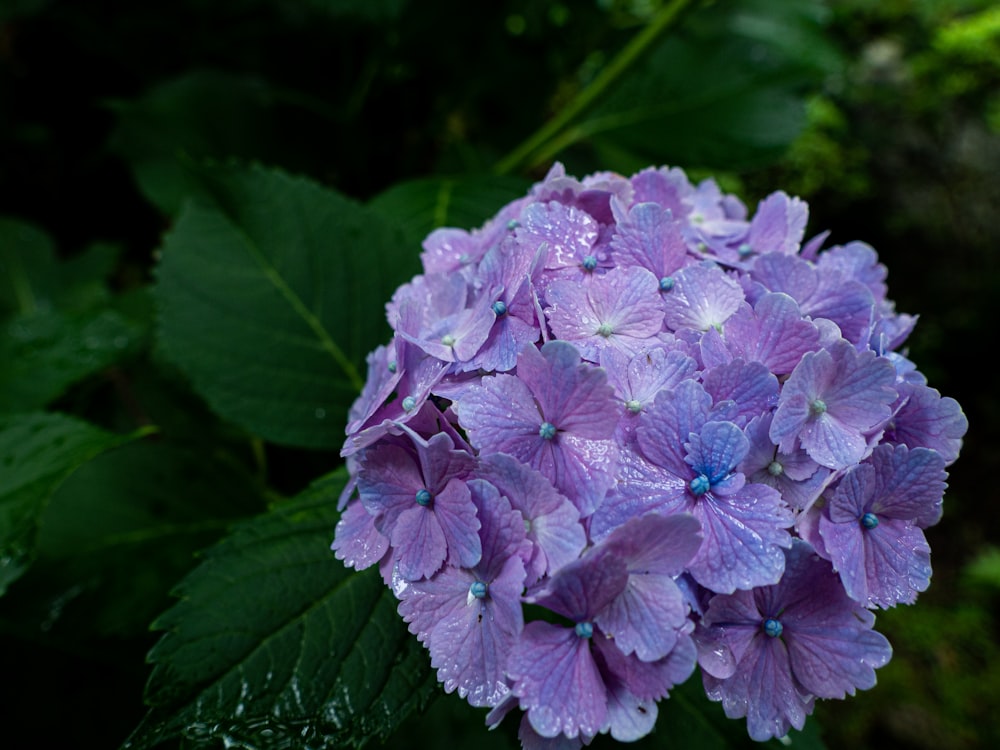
[[584, 587], [763, 691], [470, 644], [909, 484], [675, 414], [882, 566], [774, 333], [703, 297], [930, 421], [356, 540], [778, 225], [418, 543], [500, 415], [744, 534], [573, 396], [552, 521], [741, 390], [558, 682], [620, 309], [650, 238], [642, 487], [716, 450]]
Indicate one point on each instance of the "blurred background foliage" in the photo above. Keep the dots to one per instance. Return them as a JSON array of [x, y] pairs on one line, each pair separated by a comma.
[[884, 115]]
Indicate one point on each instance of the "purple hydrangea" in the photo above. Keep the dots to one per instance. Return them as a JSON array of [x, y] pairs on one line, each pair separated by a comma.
[[768, 653], [628, 428]]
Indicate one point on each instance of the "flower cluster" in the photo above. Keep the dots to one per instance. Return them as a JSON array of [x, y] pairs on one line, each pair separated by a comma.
[[624, 430]]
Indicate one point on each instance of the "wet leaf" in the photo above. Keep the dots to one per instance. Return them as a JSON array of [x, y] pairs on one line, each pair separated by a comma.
[[275, 644], [270, 298], [37, 452]]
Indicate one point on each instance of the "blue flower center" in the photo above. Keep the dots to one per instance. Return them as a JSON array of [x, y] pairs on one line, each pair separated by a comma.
[[409, 403], [744, 250], [513, 224], [633, 406], [584, 629], [817, 407], [478, 590], [772, 627], [775, 469], [869, 521], [393, 366], [700, 485], [448, 340], [666, 283], [604, 330], [547, 430], [589, 263], [500, 308], [423, 497]]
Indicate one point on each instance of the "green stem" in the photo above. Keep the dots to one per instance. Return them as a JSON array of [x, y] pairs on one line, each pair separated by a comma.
[[533, 151]]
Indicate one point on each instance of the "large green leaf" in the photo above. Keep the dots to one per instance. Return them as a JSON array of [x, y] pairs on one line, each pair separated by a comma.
[[202, 114], [121, 530], [43, 353], [728, 92], [37, 452], [422, 205], [275, 644], [270, 298]]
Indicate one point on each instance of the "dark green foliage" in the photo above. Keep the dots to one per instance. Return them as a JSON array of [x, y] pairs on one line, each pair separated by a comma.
[[276, 643], [204, 207]]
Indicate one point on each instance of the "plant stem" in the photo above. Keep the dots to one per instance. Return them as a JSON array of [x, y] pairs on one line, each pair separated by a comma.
[[533, 150]]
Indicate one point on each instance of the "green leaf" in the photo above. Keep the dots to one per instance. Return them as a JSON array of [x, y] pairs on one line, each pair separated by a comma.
[[32, 279], [26, 256], [201, 114], [728, 93], [126, 526], [420, 206], [270, 299], [43, 353], [37, 452], [275, 643]]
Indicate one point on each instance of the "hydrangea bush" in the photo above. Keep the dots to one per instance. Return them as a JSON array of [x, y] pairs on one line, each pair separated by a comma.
[[627, 430]]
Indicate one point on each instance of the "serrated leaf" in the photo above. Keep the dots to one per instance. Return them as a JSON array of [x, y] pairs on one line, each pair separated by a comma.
[[37, 452], [201, 114], [270, 298], [420, 206], [275, 644]]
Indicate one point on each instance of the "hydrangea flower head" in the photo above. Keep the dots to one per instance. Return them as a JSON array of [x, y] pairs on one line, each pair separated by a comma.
[[629, 428]]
